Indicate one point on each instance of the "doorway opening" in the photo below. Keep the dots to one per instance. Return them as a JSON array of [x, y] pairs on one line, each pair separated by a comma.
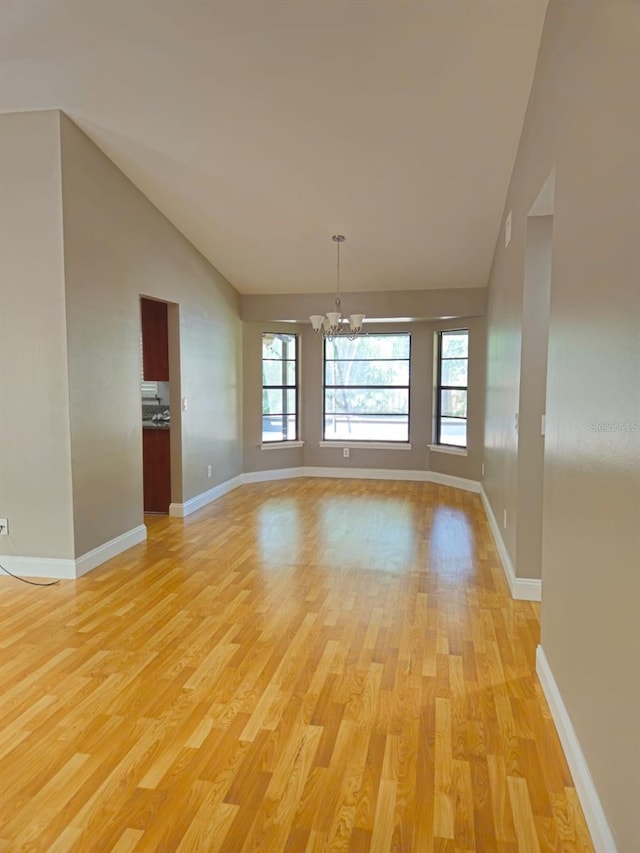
[[536, 298], [159, 386]]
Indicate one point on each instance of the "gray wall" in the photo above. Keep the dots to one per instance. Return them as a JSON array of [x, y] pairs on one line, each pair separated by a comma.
[[35, 454], [421, 405], [582, 120], [533, 393], [118, 246], [413, 304], [79, 244]]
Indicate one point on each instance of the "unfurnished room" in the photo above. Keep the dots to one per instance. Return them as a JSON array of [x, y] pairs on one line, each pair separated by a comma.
[[320, 426]]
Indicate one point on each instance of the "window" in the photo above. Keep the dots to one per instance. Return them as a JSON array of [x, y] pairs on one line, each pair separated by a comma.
[[279, 387], [366, 388], [451, 392]]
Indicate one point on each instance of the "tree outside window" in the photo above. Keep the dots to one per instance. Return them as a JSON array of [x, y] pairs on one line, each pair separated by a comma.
[[279, 387], [366, 388], [452, 388]]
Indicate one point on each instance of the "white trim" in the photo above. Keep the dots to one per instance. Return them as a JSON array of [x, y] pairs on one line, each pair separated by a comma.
[[181, 510], [110, 549], [274, 474], [595, 816], [366, 473], [366, 445], [51, 567], [39, 567], [454, 451], [280, 445], [393, 474], [455, 482], [523, 589]]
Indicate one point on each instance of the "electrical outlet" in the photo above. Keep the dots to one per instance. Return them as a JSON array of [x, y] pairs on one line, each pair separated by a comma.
[[4, 527], [208, 470], [345, 452], [504, 519]]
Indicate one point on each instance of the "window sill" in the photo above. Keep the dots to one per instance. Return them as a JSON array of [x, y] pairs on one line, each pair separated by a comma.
[[281, 445], [368, 445], [443, 448]]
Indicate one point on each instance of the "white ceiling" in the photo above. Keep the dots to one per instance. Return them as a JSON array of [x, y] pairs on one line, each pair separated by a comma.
[[262, 127]]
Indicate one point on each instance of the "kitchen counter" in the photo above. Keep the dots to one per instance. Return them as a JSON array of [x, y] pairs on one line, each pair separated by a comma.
[[155, 425]]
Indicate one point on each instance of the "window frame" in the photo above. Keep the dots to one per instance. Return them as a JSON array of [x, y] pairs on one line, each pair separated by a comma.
[[439, 388], [284, 388], [373, 442]]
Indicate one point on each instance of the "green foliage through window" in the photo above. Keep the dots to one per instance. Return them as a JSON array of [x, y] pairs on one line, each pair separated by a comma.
[[366, 388], [279, 387], [452, 388]]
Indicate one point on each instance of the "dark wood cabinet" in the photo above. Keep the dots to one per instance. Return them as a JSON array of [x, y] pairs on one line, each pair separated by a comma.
[[155, 340], [156, 464]]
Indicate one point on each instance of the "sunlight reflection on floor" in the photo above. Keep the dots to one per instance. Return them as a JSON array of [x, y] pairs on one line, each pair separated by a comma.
[[377, 533], [451, 542]]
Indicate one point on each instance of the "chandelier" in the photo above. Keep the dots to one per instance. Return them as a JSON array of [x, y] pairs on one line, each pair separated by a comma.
[[331, 324]]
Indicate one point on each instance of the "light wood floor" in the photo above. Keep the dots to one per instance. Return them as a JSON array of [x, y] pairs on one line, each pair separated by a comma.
[[309, 665]]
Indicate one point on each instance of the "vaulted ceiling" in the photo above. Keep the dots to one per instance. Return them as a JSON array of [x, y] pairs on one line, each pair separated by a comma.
[[262, 127]]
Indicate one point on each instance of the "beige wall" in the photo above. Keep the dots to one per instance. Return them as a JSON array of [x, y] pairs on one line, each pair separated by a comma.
[[117, 247], [583, 120], [78, 246], [414, 304], [35, 458], [532, 398], [421, 404]]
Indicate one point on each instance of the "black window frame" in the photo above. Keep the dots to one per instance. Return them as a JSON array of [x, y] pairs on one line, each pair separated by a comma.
[[440, 388], [284, 387], [340, 441]]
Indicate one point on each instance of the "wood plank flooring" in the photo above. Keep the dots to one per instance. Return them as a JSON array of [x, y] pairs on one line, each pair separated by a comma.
[[304, 666]]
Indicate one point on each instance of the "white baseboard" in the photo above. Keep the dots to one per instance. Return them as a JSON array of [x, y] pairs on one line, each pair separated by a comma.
[[455, 482], [364, 473], [523, 589], [393, 474], [110, 549], [39, 567], [51, 567], [181, 510], [601, 834], [199, 501], [274, 474]]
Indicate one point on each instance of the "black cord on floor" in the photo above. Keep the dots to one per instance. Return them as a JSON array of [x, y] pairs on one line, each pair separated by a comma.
[[24, 580]]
